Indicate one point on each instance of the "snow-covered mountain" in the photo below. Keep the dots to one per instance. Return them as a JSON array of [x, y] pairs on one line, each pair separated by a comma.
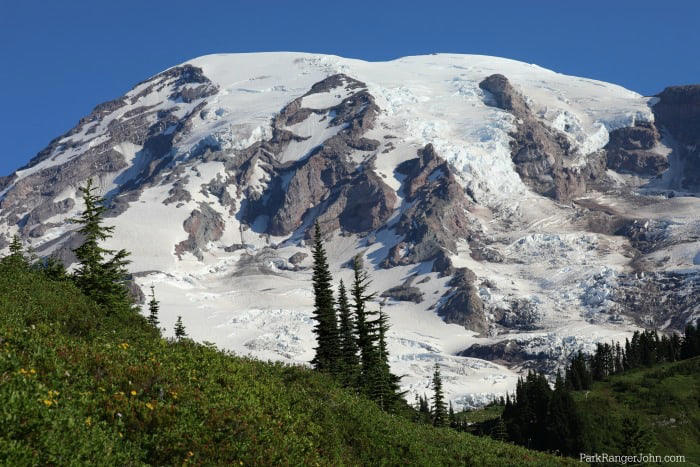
[[510, 215]]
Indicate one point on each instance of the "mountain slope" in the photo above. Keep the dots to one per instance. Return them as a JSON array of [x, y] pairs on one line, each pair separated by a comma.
[[510, 215], [82, 385]]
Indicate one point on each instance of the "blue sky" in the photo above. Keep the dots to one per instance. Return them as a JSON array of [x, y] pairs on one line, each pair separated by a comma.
[[61, 58]]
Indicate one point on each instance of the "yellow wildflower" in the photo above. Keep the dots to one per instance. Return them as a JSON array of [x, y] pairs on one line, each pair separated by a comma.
[[47, 402], [32, 371], [149, 405], [133, 393]]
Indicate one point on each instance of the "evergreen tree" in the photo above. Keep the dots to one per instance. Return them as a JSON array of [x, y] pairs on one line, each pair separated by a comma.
[[52, 268], [691, 341], [564, 425], [153, 308], [439, 409], [363, 318], [383, 385], [499, 431], [16, 256], [350, 361], [578, 376], [676, 346], [100, 278], [180, 332], [452, 419], [424, 409], [635, 438], [328, 352]]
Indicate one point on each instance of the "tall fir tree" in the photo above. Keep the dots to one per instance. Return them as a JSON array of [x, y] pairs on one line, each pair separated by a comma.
[[16, 256], [101, 278], [451, 417], [180, 332], [499, 431], [424, 409], [439, 409], [328, 351], [383, 384], [363, 318], [564, 425], [349, 359], [153, 308], [690, 346], [635, 438]]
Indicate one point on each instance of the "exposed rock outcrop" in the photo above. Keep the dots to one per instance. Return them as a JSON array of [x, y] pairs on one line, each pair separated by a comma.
[[631, 149], [659, 300], [540, 153], [437, 214], [203, 226], [327, 182], [678, 112], [297, 258], [507, 352], [462, 304], [405, 292]]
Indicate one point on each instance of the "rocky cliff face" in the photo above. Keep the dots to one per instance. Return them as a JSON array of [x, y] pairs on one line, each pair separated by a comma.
[[436, 214], [678, 112], [631, 150], [541, 154], [506, 212]]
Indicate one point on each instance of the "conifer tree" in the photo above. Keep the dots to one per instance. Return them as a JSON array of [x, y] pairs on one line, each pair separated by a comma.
[[423, 405], [328, 351], [691, 341], [578, 376], [153, 308], [101, 278], [564, 424], [17, 252], [452, 419], [383, 385], [363, 318], [350, 362], [499, 431], [180, 332], [635, 437], [52, 268], [439, 409]]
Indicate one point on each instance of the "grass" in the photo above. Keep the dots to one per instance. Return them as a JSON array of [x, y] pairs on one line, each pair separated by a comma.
[[81, 385], [480, 415]]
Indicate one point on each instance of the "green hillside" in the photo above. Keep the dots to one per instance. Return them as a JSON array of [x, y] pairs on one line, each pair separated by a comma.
[[663, 401], [81, 385], [650, 410]]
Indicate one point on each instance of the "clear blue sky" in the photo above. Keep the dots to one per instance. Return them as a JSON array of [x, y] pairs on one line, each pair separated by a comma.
[[61, 58]]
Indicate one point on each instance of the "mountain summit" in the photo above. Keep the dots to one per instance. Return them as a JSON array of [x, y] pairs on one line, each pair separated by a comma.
[[509, 215]]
